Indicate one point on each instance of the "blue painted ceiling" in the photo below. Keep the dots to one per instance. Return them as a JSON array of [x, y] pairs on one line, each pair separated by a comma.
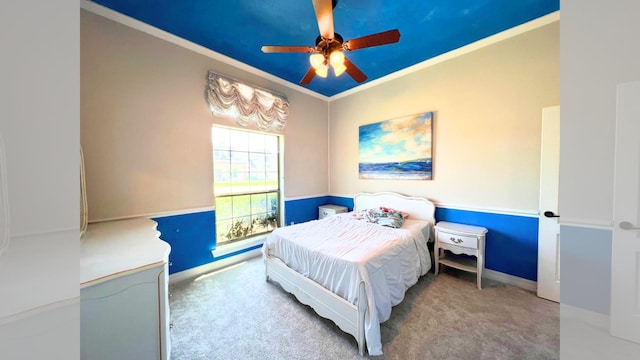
[[239, 28]]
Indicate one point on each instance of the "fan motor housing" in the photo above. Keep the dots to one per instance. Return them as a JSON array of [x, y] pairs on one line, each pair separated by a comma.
[[327, 46]]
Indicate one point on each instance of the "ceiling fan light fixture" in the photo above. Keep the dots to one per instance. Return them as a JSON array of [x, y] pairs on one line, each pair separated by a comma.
[[317, 60], [338, 69], [322, 70], [336, 58], [329, 46]]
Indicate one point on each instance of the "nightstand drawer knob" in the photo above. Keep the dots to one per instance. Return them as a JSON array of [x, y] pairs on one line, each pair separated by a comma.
[[457, 241]]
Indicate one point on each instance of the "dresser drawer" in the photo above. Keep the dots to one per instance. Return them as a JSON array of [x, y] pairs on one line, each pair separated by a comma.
[[458, 240]]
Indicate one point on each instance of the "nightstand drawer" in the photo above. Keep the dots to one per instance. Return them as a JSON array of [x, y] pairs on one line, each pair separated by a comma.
[[458, 240]]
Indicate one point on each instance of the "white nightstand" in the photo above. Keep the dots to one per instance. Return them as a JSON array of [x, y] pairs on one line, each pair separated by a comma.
[[328, 210], [460, 239]]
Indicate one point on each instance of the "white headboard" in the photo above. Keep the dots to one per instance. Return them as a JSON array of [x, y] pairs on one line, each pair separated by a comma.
[[418, 208]]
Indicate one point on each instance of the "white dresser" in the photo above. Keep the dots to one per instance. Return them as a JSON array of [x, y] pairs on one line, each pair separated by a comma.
[[124, 308], [328, 210]]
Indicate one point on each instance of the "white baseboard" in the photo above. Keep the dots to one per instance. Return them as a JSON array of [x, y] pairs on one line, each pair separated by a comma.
[[510, 280], [213, 266]]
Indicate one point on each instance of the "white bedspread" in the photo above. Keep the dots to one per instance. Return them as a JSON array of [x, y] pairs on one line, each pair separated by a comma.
[[339, 252]]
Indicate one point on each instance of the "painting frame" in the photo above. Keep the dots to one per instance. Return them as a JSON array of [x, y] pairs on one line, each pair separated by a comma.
[[397, 149]]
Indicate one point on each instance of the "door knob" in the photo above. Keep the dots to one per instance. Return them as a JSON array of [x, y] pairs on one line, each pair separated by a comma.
[[550, 214], [625, 225]]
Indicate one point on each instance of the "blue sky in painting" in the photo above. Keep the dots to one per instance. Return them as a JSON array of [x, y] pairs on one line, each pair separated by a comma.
[[401, 139]]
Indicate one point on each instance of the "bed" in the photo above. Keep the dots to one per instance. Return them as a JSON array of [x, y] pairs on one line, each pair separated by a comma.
[[352, 271]]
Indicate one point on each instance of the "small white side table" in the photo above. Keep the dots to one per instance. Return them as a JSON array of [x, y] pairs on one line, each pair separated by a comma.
[[460, 239]]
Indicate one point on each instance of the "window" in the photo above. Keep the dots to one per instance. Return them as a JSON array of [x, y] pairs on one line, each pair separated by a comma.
[[246, 183]]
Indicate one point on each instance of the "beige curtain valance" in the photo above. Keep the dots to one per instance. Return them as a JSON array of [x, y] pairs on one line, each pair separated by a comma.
[[247, 104]]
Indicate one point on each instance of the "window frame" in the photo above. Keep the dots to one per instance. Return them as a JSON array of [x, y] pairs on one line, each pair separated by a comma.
[[263, 228]]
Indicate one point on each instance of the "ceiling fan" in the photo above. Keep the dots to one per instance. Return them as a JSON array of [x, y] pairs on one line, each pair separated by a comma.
[[330, 46]]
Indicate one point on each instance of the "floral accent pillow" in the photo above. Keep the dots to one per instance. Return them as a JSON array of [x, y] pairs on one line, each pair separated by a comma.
[[392, 219], [405, 215]]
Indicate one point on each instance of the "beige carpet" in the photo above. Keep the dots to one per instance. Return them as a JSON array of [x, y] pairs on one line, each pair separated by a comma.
[[236, 314]]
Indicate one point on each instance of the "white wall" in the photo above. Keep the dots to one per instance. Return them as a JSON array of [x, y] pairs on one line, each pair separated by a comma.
[[600, 49], [39, 126], [487, 126], [39, 122], [145, 124]]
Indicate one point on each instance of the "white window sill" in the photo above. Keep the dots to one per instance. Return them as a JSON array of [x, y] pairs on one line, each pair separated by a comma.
[[237, 246]]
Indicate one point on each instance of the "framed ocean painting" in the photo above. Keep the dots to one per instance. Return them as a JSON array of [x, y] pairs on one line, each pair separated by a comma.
[[397, 149]]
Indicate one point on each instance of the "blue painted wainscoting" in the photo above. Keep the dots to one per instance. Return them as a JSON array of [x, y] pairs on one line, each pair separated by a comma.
[[192, 236], [303, 210], [511, 245]]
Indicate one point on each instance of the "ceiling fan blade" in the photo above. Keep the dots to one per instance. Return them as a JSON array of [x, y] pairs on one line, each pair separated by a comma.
[[324, 14], [308, 76], [354, 72], [284, 48], [382, 38]]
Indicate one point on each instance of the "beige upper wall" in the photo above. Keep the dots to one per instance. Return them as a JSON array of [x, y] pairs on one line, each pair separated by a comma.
[[145, 126], [487, 107]]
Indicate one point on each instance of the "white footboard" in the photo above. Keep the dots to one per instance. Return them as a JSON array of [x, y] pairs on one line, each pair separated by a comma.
[[349, 317]]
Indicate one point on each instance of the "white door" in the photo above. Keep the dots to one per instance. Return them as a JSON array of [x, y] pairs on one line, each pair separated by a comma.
[[548, 227], [625, 257]]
